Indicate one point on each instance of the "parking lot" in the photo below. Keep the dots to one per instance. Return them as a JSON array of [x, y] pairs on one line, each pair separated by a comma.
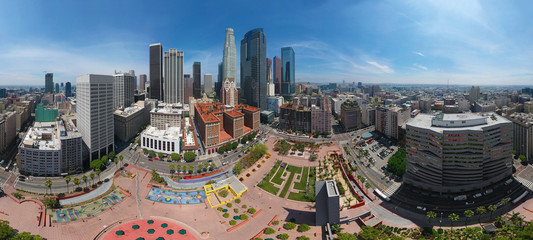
[[378, 151]]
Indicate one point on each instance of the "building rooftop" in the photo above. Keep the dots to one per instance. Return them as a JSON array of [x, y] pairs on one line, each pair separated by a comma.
[[172, 133], [526, 118], [332, 189], [43, 136], [444, 122], [234, 114], [189, 139], [128, 111]]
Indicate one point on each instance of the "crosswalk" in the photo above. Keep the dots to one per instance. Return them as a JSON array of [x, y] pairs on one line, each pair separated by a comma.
[[525, 182], [390, 190]]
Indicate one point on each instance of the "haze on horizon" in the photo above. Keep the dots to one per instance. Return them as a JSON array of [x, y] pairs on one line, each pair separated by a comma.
[[425, 42]]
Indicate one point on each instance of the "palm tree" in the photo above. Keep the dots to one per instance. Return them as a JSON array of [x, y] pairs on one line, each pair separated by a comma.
[[121, 157], [171, 167], [84, 178], [504, 202], [367, 186], [115, 160], [453, 217], [480, 211], [492, 208], [517, 219], [48, 184], [349, 199], [98, 171], [468, 214], [431, 215], [92, 176], [178, 167], [67, 180], [76, 181]]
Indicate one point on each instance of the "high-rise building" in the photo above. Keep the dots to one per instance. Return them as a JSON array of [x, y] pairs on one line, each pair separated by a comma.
[[188, 87], [208, 83], [277, 74], [197, 78], [68, 89], [287, 71], [124, 90], [270, 84], [3, 93], [474, 94], [156, 71], [522, 134], [57, 88], [452, 153], [229, 94], [351, 115], [253, 68], [309, 114], [218, 84], [49, 83], [229, 57], [95, 113], [142, 82], [389, 120], [174, 84]]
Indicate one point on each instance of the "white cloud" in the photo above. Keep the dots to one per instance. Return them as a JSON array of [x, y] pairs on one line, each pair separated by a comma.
[[384, 68], [419, 54], [421, 67]]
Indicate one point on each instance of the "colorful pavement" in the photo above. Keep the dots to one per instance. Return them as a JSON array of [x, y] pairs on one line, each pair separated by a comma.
[[149, 229], [172, 197]]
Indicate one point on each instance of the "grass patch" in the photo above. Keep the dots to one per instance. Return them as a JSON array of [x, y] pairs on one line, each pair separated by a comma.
[[287, 185], [269, 187], [299, 196], [277, 178], [303, 181]]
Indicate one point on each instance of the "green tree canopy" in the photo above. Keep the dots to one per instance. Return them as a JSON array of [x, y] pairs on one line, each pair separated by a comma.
[[189, 156]]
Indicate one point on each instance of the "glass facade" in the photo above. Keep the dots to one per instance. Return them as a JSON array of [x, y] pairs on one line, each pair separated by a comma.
[[287, 71]]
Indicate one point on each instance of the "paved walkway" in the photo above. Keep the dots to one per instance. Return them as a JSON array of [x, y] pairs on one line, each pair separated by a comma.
[[171, 183], [86, 197]]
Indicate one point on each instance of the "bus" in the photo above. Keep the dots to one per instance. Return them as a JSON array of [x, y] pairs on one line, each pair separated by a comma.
[[519, 198], [381, 195]]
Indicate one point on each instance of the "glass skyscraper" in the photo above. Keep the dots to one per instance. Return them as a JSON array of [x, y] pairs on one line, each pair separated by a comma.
[[287, 71], [156, 71], [253, 68]]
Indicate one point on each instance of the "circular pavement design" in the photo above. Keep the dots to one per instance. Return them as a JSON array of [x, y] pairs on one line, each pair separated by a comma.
[[92, 208], [149, 229]]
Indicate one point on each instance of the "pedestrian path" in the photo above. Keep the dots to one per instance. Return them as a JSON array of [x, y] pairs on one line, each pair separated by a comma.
[[390, 190], [86, 197], [525, 182]]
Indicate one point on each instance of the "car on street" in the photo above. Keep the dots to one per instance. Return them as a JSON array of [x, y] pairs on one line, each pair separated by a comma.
[[421, 208]]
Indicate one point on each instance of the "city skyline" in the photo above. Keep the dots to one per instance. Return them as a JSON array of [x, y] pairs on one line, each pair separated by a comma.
[[387, 42]]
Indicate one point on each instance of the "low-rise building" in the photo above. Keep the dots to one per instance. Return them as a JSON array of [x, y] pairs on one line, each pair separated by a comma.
[[163, 141], [131, 120], [167, 115], [189, 142]]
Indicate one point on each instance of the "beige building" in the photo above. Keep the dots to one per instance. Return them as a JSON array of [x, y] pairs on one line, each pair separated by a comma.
[[131, 120], [167, 115]]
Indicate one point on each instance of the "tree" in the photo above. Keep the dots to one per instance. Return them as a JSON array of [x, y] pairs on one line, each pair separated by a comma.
[[92, 175], [431, 215], [48, 184], [189, 156], [151, 153], [345, 236], [491, 208], [51, 202], [121, 158], [98, 172], [171, 167], [303, 228], [304, 238], [468, 214], [480, 211], [174, 156], [283, 236], [76, 181], [289, 226], [244, 140], [6, 231], [178, 167], [349, 200], [116, 162], [191, 168], [237, 169], [522, 158], [336, 228], [367, 233], [453, 218], [367, 185], [67, 180], [396, 163], [84, 178], [221, 149], [112, 155], [269, 231]]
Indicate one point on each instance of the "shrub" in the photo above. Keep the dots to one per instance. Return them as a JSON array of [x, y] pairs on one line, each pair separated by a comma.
[[78, 189], [251, 210], [303, 238], [275, 222], [223, 193], [244, 206], [303, 228], [17, 195], [51, 203], [244, 217], [237, 200], [236, 210], [60, 195], [283, 236], [220, 209], [232, 222], [269, 231], [226, 215], [229, 205], [189, 156], [289, 226]]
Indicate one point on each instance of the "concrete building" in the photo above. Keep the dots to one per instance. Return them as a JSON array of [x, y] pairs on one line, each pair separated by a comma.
[[327, 203], [390, 119], [189, 142], [368, 115], [528, 107], [474, 95], [164, 141], [270, 84], [274, 103], [167, 115], [68, 90], [484, 106], [253, 68], [142, 82], [95, 113], [51, 148], [131, 120], [124, 89], [458, 152], [174, 82], [208, 83], [276, 73], [49, 83], [308, 114], [197, 79], [156, 71], [229, 58], [229, 94], [188, 82], [351, 116], [522, 134]]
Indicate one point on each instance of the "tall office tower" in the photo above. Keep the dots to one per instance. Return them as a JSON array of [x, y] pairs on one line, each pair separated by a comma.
[[62, 85], [49, 83], [3, 93], [253, 68], [208, 83], [95, 113], [132, 72], [474, 94], [68, 89], [188, 87], [218, 84], [173, 87], [287, 71], [124, 90], [142, 82], [197, 77], [57, 87], [156, 71], [229, 57], [277, 73], [270, 84]]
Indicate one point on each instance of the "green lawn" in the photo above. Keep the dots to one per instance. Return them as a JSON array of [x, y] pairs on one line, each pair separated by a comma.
[[300, 196], [287, 185], [303, 180], [268, 186], [277, 178]]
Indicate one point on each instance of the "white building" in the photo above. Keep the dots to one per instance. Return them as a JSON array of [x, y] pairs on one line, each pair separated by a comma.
[[167, 115], [95, 113], [164, 141], [124, 89], [274, 103], [174, 87]]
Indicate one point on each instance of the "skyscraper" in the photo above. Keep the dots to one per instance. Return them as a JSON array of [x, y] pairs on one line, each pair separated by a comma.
[[188, 87], [49, 83], [208, 83], [218, 84], [142, 81], [253, 68], [277, 73], [62, 85], [270, 84], [197, 78], [3, 93], [173, 86], [287, 71], [95, 113], [474, 94], [229, 94], [124, 90], [57, 87], [156, 71], [229, 57], [68, 90]]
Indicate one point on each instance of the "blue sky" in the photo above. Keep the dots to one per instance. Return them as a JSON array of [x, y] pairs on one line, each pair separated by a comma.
[[465, 42]]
